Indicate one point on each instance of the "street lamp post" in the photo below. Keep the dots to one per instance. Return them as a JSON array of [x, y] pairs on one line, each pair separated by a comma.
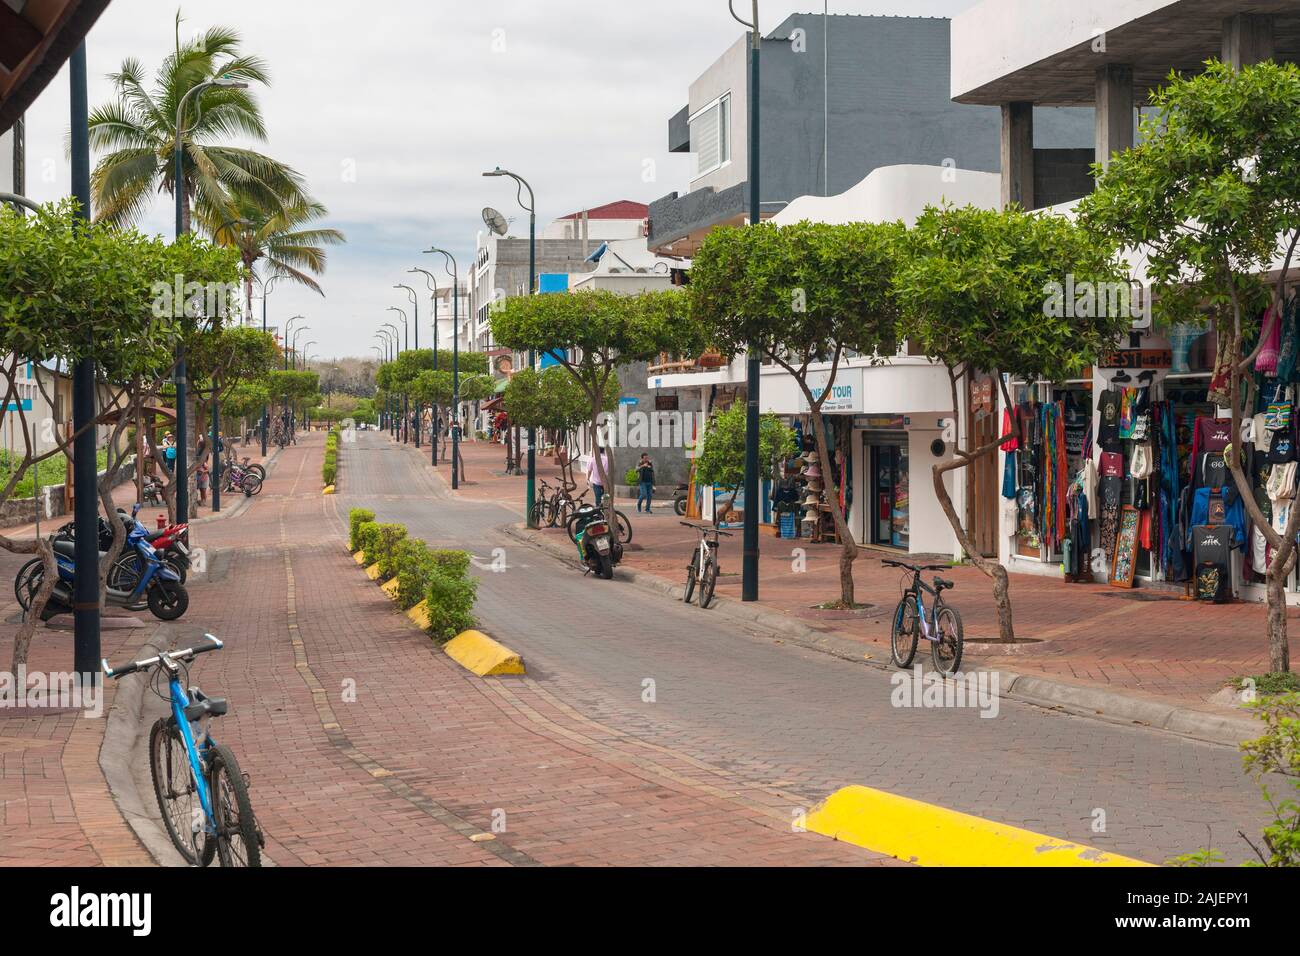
[[267, 285], [415, 302], [454, 269], [395, 427], [433, 418], [383, 336], [749, 554], [293, 351], [306, 365], [530, 496], [405, 430], [182, 228]]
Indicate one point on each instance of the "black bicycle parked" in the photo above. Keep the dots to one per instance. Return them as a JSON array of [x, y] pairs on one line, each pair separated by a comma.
[[941, 626]]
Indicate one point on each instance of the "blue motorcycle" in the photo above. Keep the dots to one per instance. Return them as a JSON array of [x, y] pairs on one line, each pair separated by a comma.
[[137, 580]]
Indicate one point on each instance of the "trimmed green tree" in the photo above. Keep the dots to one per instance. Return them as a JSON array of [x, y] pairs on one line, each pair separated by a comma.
[[595, 333], [973, 286], [1205, 197], [721, 462], [802, 296]]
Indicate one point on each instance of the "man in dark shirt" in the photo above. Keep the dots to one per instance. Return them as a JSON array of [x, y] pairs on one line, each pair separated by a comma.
[[645, 478]]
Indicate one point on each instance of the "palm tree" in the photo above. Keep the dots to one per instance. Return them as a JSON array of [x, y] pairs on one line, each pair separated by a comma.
[[282, 235], [138, 133]]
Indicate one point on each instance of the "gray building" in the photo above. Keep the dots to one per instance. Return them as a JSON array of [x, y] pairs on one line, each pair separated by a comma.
[[881, 98]]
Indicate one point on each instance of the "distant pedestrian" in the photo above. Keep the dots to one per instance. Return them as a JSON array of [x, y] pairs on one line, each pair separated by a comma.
[[645, 480], [593, 472], [201, 479]]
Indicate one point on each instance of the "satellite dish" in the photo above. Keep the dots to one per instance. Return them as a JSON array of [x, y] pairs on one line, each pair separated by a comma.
[[495, 221]]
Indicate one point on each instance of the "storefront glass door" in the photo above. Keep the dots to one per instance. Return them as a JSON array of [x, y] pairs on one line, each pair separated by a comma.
[[888, 518]]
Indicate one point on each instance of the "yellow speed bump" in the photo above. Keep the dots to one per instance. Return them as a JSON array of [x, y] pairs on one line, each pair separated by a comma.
[[419, 615], [329, 490], [933, 836], [390, 588], [479, 654], [372, 572], [360, 558]]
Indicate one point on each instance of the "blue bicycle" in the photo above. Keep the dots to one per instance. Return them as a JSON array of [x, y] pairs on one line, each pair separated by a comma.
[[201, 792], [941, 626]]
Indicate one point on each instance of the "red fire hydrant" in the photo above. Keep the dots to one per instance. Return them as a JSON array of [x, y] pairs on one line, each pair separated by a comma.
[[162, 522]]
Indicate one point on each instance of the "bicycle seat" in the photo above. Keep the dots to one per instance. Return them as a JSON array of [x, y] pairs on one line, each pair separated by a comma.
[[207, 707], [942, 585]]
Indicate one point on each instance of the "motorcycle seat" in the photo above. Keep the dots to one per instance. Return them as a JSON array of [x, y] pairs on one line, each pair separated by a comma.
[[66, 548]]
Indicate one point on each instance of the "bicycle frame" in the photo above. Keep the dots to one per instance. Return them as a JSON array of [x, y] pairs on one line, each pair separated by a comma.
[[930, 628], [180, 700]]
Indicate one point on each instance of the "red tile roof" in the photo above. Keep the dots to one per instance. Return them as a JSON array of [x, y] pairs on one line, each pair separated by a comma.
[[622, 209]]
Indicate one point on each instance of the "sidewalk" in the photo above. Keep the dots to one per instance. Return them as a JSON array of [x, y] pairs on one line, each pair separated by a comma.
[[1142, 641]]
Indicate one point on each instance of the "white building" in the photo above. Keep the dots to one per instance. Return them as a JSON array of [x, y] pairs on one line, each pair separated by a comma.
[[899, 411]]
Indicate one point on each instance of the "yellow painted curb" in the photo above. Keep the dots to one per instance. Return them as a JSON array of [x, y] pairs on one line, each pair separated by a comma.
[[360, 558], [419, 615], [478, 653], [372, 572], [390, 588], [329, 490], [933, 836]]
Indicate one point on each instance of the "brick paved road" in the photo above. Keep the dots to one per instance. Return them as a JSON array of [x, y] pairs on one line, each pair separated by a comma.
[[800, 722], [366, 745]]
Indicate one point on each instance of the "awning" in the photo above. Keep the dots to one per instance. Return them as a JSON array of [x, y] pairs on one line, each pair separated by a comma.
[[36, 38]]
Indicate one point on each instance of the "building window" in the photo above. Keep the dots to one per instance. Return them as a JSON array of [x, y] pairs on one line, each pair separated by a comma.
[[711, 135]]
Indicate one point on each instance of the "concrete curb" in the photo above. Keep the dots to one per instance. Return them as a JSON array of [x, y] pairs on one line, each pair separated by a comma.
[[125, 737], [1045, 692]]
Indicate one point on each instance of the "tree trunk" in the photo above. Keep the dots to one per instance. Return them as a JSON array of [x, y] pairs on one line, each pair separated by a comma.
[[995, 571], [849, 546], [23, 639], [1279, 654]]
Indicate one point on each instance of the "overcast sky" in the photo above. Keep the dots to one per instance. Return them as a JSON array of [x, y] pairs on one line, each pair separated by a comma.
[[393, 108]]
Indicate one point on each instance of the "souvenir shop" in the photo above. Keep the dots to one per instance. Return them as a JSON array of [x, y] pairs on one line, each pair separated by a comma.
[[1120, 477], [801, 500]]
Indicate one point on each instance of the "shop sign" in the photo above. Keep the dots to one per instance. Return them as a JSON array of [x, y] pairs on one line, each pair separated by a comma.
[[667, 403], [981, 396], [846, 393], [1138, 360], [881, 422]]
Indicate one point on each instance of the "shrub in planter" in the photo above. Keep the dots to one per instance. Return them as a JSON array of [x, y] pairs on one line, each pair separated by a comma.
[[416, 566], [356, 518], [455, 563], [450, 604], [631, 478], [367, 538], [387, 539]]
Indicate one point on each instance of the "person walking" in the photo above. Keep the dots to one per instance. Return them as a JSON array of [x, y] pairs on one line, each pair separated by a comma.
[[645, 480], [593, 472]]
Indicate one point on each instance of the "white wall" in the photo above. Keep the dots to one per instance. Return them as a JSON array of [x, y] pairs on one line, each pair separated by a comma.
[[891, 193], [999, 37]]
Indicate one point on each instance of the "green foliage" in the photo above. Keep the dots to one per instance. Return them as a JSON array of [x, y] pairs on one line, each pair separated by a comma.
[[356, 518], [722, 461], [363, 413], [329, 471], [416, 567], [1273, 760], [435, 388], [450, 602], [598, 331], [233, 354], [385, 541], [973, 285], [552, 400], [292, 385], [800, 294], [51, 471], [246, 399], [366, 538], [1209, 187]]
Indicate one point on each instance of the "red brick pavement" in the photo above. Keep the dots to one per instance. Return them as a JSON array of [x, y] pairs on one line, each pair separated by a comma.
[[1145, 641], [367, 745]]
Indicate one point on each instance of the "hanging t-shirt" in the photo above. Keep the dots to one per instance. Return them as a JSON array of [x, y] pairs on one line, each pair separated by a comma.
[[1108, 431], [1077, 420]]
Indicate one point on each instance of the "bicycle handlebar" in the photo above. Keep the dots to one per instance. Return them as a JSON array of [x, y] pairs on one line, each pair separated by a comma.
[[187, 654], [705, 528], [916, 568]]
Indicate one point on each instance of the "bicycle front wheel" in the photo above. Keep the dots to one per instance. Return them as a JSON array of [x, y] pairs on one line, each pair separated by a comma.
[[238, 842], [903, 637], [692, 576], [178, 797], [22, 582], [708, 581], [948, 649]]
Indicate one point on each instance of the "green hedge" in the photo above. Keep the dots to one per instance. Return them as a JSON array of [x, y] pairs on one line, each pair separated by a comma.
[[451, 604], [438, 577], [330, 470], [382, 543], [356, 518]]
